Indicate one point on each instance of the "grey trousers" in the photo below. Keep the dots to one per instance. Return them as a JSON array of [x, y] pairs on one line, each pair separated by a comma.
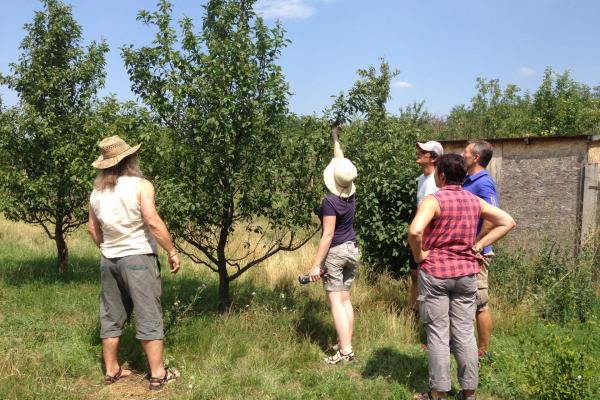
[[131, 284], [447, 308]]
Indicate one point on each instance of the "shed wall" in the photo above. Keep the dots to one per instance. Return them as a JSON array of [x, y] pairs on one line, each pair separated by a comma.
[[539, 183]]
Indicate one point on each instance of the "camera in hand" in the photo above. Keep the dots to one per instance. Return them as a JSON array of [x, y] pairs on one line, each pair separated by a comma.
[[304, 279]]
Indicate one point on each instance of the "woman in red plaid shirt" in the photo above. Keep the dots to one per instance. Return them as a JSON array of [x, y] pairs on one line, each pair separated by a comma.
[[443, 240]]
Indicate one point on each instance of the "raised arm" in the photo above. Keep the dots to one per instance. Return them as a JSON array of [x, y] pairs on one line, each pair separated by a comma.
[[499, 224], [155, 223], [337, 150]]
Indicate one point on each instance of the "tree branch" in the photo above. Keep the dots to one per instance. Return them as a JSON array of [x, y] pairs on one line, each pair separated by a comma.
[[205, 250], [195, 258], [41, 222], [272, 251]]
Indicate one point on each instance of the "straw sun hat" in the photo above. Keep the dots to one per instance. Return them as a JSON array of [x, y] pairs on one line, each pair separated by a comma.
[[338, 177], [113, 150]]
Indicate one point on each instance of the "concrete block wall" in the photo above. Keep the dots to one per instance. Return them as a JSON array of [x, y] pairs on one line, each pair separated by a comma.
[[547, 185]]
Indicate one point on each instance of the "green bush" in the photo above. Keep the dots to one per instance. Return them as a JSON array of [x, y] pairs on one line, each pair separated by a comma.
[[559, 283], [559, 372], [386, 190], [566, 290], [382, 147]]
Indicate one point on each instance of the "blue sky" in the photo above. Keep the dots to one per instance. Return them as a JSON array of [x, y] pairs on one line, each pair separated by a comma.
[[440, 46]]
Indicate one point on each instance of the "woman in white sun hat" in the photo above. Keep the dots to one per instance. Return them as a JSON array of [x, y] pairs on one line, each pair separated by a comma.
[[337, 255]]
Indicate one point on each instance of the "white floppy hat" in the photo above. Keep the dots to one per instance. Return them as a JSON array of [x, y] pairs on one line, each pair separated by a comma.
[[433, 146], [339, 175]]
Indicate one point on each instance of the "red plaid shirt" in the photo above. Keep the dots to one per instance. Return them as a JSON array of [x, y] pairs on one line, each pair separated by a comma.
[[451, 236]]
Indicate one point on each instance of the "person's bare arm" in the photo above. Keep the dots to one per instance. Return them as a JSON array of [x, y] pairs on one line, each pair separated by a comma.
[[485, 228], [488, 193], [94, 228], [156, 224], [427, 210], [324, 244], [335, 136], [501, 223]]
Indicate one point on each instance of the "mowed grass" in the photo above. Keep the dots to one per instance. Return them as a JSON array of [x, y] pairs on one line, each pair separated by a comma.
[[270, 347]]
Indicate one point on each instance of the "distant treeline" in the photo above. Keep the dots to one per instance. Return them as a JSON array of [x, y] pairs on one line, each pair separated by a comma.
[[560, 106], [230, 162]]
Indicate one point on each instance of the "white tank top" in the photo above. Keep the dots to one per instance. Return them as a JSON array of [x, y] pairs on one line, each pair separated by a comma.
[[120, 215]]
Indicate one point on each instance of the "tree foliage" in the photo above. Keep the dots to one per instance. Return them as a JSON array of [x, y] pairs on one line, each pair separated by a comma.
[[48, 142], [235, 186], [563, 106], [560, 106], [382, 146]]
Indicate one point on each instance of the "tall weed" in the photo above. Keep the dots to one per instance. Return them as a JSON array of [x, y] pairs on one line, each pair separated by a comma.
[[559, 284]]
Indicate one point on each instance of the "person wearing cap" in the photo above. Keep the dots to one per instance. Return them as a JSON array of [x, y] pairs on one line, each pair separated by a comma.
[[477, 155], [337, 253], [444, 242], [427, 154], [126, 227]]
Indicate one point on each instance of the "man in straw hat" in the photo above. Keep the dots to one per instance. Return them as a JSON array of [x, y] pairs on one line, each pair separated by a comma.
[[337, 253], [125, 225]]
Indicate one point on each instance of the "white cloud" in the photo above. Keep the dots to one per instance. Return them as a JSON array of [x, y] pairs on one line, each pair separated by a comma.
[[526, 72], [403, 84], [284, 9]]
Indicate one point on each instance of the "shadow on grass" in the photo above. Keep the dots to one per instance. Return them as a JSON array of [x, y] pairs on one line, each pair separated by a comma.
[[18, 271], [182, 297], [315, 325], [408, 370], [185, 297], [130, 349], [312, 320]]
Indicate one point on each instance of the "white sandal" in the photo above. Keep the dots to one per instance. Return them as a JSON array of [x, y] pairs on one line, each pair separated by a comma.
[[340, 357]]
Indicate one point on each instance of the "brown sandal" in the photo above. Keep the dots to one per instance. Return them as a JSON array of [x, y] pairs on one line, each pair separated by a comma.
[[109, 380], [423, 396], [155, 383]]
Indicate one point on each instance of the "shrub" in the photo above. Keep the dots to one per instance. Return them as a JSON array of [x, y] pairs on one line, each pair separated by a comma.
[[382, 146], [559, 372], [559, 283]]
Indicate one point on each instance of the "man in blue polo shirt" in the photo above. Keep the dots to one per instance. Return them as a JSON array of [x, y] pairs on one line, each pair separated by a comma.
[[477, 155]]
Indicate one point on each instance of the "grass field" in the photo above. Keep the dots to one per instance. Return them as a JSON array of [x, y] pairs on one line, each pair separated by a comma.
[[270, 347]]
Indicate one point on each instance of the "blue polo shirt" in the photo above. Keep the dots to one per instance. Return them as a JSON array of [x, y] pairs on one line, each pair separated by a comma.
[[482, 185]]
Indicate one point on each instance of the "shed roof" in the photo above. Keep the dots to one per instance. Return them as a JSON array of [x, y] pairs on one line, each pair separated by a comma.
[[529, 139]]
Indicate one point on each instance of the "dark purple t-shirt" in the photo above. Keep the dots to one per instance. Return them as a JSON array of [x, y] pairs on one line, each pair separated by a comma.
[[343, 209]]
